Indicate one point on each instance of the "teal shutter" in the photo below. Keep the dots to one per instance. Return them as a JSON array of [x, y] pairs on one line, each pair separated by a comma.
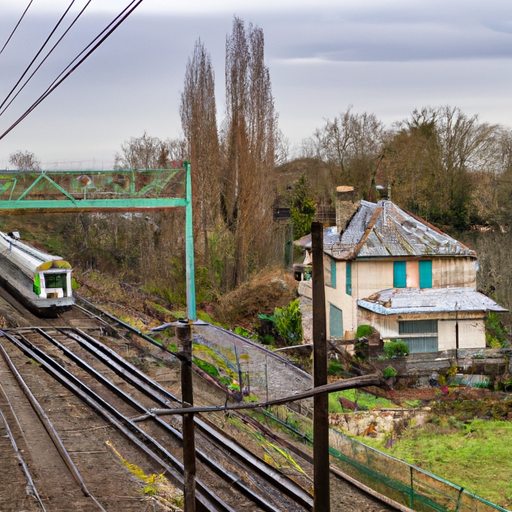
[[348, 276], [335, 322], [426, 274], [399, 274], [333, 273]]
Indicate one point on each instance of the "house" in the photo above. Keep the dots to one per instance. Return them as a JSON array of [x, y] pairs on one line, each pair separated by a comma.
[[392, 270]]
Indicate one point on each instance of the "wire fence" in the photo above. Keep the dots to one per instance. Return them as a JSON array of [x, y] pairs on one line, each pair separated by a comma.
[[268, 375], [272, 376]]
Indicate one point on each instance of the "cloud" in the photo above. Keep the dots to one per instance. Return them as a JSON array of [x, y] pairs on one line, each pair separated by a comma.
[[383, 57]]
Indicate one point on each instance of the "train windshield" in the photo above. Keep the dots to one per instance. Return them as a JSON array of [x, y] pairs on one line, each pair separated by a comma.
[[55, 281]]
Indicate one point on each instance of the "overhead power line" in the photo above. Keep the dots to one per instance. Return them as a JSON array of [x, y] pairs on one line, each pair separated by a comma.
[[43, 61], [81, 57], [16, 27], [38, 53]]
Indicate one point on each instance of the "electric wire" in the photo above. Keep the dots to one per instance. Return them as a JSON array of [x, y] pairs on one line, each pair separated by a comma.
[[16, 27], [47, 55], [38, 53], [105, 34]]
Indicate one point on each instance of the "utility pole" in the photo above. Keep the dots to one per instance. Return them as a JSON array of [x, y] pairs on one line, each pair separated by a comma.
[[321, 402], [184, 335]]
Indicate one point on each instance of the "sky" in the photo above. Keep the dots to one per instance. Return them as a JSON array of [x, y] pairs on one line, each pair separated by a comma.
[[383, 57]]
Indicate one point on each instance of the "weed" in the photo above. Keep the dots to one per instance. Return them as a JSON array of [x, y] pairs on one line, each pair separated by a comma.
[[206, 367], [140, 363], [395, 348], [335, 367]]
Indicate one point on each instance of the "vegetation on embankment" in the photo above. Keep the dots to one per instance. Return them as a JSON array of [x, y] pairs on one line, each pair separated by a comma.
[[474, 455], [460, 443]]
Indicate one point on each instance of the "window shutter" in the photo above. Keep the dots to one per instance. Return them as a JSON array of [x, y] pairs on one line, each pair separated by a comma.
[[335, 322], [426, 274], [399, 274], [333, 273]]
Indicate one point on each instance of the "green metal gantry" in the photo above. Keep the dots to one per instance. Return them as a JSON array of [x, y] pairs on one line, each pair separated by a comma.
[[125, 189]]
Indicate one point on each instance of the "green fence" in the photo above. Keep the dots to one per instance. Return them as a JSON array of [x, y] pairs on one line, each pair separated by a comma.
[[402, 482]]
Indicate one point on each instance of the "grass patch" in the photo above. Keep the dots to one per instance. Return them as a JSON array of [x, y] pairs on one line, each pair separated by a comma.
[[366, 401], [475, 455]]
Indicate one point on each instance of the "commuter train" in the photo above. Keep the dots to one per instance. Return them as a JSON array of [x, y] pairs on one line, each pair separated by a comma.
[[40, 281]]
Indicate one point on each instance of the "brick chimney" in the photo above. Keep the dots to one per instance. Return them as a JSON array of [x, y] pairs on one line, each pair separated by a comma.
[[346, 205]]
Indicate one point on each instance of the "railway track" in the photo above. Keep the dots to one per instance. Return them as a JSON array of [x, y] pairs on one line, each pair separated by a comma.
[[117, 391], [102, 389]]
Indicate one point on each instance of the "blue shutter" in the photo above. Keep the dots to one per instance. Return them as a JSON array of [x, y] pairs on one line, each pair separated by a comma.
[[399, 274], [333, 273], [426, 274], [348, 276], [335, 322]]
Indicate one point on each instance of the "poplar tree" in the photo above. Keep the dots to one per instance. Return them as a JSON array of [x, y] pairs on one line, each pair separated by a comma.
[[249, 140], [199, 123]]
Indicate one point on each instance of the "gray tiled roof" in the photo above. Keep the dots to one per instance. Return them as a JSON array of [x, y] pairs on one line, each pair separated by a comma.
[[384, 229], [429, 300]]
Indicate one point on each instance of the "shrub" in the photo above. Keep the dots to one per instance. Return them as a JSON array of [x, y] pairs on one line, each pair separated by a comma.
[[266, 339], [363, 331], [396, 348], [496, 333], [287, 323], [388, 372]]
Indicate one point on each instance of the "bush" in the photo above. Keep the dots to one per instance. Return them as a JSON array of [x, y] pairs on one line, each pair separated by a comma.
[[363, 331], [287, 323], [396, 348], [388, 372], [495, 332]]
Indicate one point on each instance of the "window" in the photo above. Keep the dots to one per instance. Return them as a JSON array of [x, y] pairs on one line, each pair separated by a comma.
[[399, 274], [417, 326], [348, 278], [335, 322], [333, 273], [55, 281], [420, 335]]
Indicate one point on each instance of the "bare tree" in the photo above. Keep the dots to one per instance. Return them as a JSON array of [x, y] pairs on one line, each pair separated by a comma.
[[25, 161], [199, 123], [249, 147], [350, 145], [148, 152]]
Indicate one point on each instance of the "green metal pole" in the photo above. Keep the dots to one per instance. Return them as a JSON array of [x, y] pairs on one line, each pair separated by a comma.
[[189, 255]]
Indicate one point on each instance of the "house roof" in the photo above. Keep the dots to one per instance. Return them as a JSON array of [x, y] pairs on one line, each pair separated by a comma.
[[396, 301], [384, 229]]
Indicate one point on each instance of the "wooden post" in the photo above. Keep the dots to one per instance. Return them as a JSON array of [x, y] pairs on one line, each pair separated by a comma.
[[321, 419], [184, 335]]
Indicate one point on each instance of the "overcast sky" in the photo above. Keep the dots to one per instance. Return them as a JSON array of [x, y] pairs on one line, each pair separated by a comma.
[[386, 57]]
